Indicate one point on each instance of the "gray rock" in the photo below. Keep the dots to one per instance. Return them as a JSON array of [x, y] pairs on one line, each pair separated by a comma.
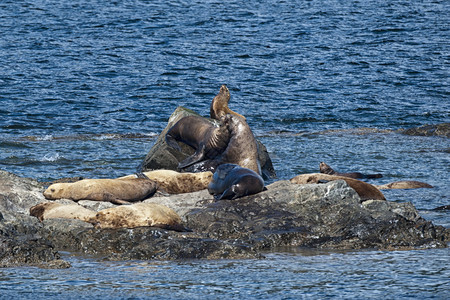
[[183, 203], [21, 242], [17, 195], [161, 156], [285, 215], [320, 216]]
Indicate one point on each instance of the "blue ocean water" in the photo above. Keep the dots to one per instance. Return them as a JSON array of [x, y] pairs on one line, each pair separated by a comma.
[[86, 86]]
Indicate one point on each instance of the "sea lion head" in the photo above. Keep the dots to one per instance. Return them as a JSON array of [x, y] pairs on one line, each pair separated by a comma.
[[326, 169], [224, 93], [54, 191]]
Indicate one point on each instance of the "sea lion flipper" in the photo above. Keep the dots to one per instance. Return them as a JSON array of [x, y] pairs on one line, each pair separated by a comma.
[[228, 194], [119, 201], [323, 181], [199, 155], [141, 175], [172, 142]]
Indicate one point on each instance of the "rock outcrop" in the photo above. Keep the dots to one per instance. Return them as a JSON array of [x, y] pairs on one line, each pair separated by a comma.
[[442, 129], [285, 215]]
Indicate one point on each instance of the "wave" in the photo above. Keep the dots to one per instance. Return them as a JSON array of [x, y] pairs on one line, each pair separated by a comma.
[[89, 137]]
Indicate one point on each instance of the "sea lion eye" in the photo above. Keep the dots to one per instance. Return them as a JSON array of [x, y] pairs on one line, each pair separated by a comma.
[[52, 190]]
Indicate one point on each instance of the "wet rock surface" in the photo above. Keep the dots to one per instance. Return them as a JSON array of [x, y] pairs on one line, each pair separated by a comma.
[[442, 129], [286, 215]]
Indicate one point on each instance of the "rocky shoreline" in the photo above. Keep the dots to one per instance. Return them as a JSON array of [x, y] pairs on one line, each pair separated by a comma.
[[325, 216], [287, 214]]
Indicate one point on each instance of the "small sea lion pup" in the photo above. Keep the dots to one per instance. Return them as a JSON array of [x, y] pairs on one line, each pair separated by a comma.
[[197, 132], [231, 181], [219, 105], [326, 169], [118, 191], [405, 184], [365, 190]]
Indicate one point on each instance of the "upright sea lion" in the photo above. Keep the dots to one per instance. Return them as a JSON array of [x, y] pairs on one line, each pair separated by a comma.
[[53, 210], [174, 182], [137, 215], [405, 184], [119, 191], [326, 169], [219, 105], [231, 181], [241, 149], [365, 190], [197, 132]]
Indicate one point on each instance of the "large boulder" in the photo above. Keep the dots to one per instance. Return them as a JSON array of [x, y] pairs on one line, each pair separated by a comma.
[[21, 242], [162, 156], [316, 215]]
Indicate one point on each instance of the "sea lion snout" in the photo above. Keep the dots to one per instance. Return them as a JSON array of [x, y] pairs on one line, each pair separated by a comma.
[[224, 89]]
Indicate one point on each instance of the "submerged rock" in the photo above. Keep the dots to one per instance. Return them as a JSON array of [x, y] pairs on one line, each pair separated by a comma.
[[442, 129], [162, 156], [312, 215]]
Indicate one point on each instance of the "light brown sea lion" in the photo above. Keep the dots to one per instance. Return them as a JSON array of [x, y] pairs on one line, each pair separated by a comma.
[[137, 215], [231, 181], [365, 190], [326, 169], [119, 191], [53, 210], [405, 184], [242, 149], [219, 105], [174, 182], [197, 132]]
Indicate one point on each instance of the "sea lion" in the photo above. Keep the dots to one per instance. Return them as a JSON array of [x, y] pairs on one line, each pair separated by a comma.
[[231, 181], [202, 135], [137, 215], [118, 191], [405, 184], [365, 190], [53, 210], [326, 169], [174, 182], [241, 149], [219, 105]]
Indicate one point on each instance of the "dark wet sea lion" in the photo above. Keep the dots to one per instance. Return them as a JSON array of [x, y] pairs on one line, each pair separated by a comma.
[[219, 105], [241, 149], [405, 184], [326, 169], [365, 190], [119, 191], [231, 181], [443, 207], [207, 139]]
